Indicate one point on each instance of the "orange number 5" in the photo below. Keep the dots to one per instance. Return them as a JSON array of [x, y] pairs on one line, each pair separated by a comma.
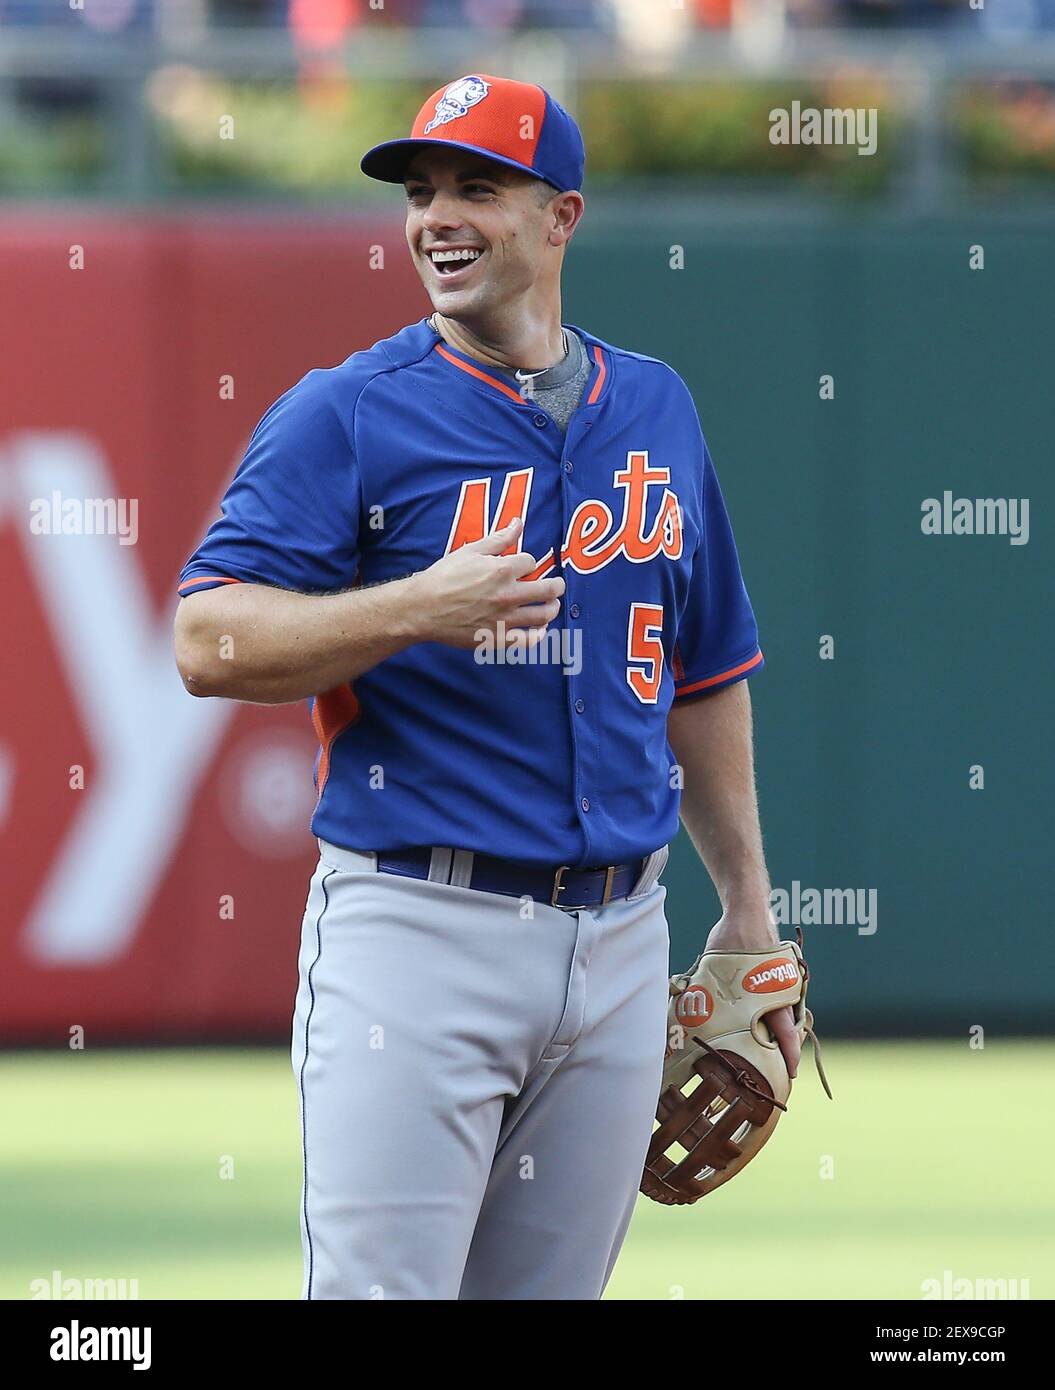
[[644, 651]]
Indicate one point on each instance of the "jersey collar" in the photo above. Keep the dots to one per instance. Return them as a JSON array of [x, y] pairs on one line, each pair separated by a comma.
[[595, 390]]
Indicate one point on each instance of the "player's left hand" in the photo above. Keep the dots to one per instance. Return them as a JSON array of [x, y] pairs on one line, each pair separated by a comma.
[[751, 929]]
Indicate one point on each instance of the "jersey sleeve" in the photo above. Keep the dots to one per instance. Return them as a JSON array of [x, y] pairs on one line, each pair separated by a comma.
[[290, 518], [717, 638]]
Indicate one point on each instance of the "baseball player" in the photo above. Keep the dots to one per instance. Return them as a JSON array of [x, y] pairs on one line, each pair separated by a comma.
[[491, 550]]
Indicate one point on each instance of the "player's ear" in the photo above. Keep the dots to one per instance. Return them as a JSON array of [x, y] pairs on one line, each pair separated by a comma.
[[566, 211]]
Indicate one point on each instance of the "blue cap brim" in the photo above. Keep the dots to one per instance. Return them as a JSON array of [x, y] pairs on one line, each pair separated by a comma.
[[388, 161]]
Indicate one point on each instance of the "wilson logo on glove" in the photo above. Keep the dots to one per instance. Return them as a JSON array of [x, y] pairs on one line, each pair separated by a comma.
[[725, 1082], [694, 1006], [770, 976]]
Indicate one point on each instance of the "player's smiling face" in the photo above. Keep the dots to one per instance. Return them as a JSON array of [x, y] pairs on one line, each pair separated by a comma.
[[479, 232]]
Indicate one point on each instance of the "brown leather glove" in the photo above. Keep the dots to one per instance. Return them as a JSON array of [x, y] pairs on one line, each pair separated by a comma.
[[725, 1082]]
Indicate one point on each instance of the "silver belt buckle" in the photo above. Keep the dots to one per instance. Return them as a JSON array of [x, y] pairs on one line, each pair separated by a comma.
[[558, 886]]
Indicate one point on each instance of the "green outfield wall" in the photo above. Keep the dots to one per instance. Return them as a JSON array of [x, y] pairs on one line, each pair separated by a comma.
[[939, 643]]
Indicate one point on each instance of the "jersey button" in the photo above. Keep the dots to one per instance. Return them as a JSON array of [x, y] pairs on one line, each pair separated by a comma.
[[569, 467], [580, 705], [540, 421], [575, 610], [585, 803]]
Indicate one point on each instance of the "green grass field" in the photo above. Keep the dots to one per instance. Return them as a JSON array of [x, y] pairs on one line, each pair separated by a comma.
[[110, 1167]]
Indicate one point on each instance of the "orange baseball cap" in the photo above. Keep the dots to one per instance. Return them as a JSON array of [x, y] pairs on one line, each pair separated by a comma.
[[515, 123]]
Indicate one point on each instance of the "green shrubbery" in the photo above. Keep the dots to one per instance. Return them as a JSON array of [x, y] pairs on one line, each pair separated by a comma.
[[211, 134], [1007, 129]]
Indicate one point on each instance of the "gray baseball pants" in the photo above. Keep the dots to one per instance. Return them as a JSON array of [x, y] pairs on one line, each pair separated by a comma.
[[478, 1078]]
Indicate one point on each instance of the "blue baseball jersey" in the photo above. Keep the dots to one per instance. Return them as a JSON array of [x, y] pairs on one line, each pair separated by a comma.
[[374, 469]]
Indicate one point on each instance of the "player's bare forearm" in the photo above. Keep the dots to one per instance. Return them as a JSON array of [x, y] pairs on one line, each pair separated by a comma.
[[273, 646], [711, 740]]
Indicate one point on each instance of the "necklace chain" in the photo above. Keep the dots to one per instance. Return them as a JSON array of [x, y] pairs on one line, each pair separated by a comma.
[[528, 376]]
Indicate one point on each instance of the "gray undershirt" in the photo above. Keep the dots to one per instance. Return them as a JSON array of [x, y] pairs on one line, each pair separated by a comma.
[[557, 389]]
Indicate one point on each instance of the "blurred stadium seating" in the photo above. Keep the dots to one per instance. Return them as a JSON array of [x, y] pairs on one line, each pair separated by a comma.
[[336, 18], [122, 97]]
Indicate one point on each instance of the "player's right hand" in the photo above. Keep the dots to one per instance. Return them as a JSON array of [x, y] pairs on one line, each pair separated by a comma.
[[477, 587]]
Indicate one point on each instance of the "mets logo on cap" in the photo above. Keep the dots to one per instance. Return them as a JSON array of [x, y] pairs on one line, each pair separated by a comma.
[[516, 123], [457, 99]]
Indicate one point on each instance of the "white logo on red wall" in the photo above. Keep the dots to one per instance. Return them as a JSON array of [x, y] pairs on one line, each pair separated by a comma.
[[266, 791], [152, 748]]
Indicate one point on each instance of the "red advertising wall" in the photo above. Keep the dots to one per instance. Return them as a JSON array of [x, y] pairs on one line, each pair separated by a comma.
[[154, 849]]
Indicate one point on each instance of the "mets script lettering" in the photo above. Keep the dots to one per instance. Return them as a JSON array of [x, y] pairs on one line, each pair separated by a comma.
[[593, 538]]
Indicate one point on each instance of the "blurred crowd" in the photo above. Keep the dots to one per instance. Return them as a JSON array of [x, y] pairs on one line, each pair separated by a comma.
[[330, 20]]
